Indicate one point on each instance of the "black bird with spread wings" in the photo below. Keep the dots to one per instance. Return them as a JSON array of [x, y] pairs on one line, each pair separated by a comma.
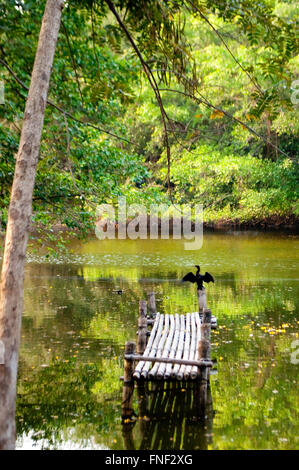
[[198, 278]]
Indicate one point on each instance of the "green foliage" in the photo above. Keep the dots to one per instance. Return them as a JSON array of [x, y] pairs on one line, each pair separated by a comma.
[[79, 167], [98, 80], [235, 187]]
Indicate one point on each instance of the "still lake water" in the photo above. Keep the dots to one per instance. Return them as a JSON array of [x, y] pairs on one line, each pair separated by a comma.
[[75, 327]]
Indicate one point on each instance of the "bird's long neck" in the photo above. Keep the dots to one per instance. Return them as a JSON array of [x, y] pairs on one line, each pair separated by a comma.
[[197, 272]]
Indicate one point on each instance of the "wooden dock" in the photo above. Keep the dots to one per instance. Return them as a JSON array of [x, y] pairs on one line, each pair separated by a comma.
[[177, 349]]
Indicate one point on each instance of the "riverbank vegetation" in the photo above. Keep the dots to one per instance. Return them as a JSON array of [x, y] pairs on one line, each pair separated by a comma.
[[231, 122]]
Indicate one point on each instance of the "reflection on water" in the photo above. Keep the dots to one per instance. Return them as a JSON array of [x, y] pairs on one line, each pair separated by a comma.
[[75, 327], [170, 416]]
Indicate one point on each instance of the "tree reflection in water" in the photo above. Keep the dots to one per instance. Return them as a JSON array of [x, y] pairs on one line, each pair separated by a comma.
[[171, 415]]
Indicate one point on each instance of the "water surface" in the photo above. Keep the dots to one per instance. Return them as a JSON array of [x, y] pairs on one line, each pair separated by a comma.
[[75, 326]]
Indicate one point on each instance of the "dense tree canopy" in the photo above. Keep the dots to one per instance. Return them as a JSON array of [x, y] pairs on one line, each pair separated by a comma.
[[177, 101], [195, 95]]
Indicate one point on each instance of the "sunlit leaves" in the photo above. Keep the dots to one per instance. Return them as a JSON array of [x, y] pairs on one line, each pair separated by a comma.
[[217, 114]]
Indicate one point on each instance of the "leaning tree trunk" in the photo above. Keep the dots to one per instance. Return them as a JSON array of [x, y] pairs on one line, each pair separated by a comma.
[[19, 217]]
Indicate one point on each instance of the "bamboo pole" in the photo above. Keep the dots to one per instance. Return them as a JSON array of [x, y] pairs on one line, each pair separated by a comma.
[[206, 330], [207, 315], [196, 335], [162, 341], [202, 299], [152, 350], [193, 348], [203, 391], [129, 361], [128, 387], [213, 322], [167, 348], [206, 352], [156, 359], [142, 329], [181, 372], [127, 400], [194, 371], [142, 308], [180, 348], [150, 342], [143, 400], [174, 344], [152, 304], [203, 349]]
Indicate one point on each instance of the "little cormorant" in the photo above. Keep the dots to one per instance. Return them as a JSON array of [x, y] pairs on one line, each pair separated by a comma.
[[198, 278]]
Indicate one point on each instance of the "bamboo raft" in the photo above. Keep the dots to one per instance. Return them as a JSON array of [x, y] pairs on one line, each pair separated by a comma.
[[176, 349], [178, 346]]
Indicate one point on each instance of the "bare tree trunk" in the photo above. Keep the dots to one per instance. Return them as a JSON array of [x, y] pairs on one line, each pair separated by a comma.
[[19, 217]]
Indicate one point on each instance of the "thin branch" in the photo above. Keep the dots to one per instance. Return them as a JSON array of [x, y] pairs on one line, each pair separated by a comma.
[[93, 36], [54, 196], [61, 110], [73, 60], [13, 123], [204, 101], [225, 45], [68, 148], [152, 82]]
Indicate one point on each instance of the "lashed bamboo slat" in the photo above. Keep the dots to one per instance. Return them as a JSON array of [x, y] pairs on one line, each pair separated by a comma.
[[181, 372], [160, 348], [154, 346], [194, 371], [158, 359], [173, 346], [167, 348], [151, 339], [180, 348]]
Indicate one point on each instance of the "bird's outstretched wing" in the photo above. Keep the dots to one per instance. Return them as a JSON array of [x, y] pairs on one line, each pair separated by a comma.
[[189, 277], [208, 277]]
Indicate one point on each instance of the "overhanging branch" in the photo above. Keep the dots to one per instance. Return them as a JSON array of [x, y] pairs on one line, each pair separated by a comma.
[[63, 111], [225, 45], [204, 101], [152, 82]]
